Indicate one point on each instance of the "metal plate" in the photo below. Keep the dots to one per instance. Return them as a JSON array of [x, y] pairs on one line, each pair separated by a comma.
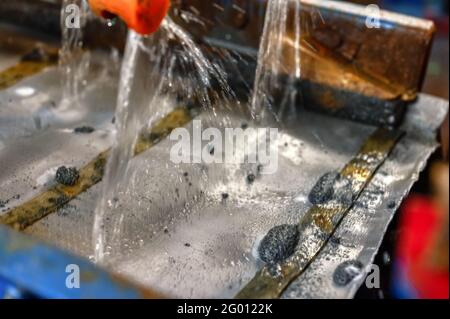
[[222, 237]]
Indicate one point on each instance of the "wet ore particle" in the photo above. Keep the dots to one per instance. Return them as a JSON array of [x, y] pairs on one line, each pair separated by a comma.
[[37, 55], [323, 191], [335, 240], [279, 244], [84, 130], [67, 176], [251, 178], [347, 272], [392, 205], [225, 196], [260, 168]]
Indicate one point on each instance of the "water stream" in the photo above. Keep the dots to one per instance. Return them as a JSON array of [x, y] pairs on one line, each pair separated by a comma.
[[279, 65], [162, 72], [74, 62], [151, 86]]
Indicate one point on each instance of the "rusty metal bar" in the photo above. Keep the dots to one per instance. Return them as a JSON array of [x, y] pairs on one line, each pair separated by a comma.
[[348, 70]]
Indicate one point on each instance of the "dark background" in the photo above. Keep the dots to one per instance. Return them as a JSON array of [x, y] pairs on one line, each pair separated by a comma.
[[436, 83]]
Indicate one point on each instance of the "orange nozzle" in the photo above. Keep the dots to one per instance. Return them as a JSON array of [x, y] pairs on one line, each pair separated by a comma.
[[143, 16]]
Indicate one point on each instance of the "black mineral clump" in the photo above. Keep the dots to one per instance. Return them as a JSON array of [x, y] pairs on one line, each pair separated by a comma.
[[67, 176], [332, 186], [335, 240], [392, 205], [346, 272], [84, 130], [251, 178], [37, 55], [323, 191], [279, 244]]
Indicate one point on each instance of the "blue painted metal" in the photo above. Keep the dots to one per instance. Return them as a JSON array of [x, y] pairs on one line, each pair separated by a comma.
[[402, 287], [32, 268], [9, 291]]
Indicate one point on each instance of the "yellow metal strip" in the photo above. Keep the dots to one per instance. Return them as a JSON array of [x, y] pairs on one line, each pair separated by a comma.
[[320, 222], [22, 70], [56, 197], [32, 63]]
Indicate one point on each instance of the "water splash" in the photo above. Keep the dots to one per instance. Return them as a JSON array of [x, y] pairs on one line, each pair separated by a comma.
[[160, 72], [279, 64], [74, 62], [153, 82]]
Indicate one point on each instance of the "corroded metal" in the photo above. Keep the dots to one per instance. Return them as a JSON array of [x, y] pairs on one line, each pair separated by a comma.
[[57, 196], [348, 69], [319, 223]]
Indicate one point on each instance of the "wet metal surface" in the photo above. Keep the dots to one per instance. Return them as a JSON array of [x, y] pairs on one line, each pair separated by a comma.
[[359, 235], [30, 64], [319, 223], [204, 245], [220, 257], [69, 187]]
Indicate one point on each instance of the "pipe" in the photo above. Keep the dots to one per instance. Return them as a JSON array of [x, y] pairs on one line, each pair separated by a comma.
[[143, 16]]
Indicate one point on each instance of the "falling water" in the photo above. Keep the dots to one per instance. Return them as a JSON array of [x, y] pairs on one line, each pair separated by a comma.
[[73, 61], [279, 65], [152, 84], [159, 73]]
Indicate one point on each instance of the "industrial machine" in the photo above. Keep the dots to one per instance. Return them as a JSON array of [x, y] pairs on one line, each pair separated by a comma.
[[360, 113]]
